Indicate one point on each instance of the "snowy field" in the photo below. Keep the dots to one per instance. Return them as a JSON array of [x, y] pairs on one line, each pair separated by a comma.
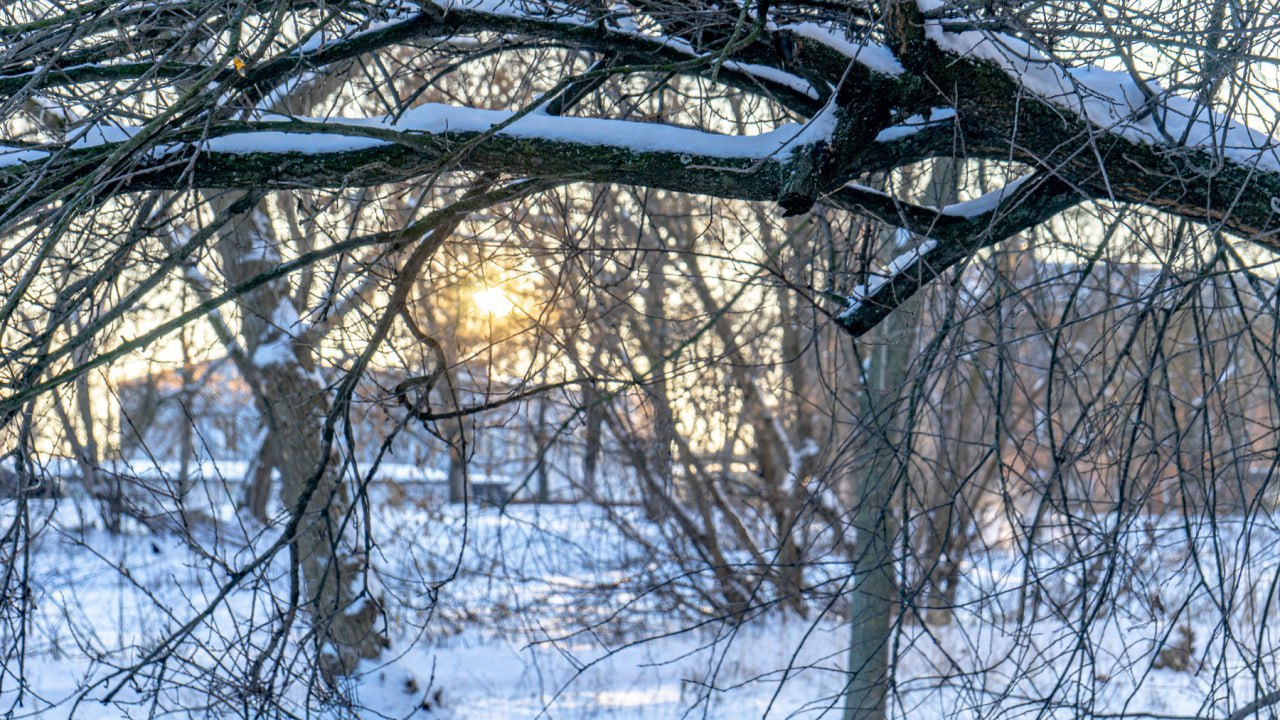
[[546, 614]]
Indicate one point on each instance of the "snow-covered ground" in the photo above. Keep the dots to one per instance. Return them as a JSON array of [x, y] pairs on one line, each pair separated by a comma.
[[547, 615]]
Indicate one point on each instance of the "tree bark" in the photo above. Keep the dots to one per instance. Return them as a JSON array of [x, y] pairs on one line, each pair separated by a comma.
[[294, 402], [875, 594], [343, 611], [875, 588]]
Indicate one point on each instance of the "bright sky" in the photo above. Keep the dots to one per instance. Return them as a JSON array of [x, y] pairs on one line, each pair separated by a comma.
[[493, 301]]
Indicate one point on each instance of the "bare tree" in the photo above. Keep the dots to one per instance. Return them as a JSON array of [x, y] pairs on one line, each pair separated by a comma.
[[300, 167]]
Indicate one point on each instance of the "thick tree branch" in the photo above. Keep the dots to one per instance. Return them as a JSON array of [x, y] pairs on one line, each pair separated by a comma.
[[871, 122], [952, 235]]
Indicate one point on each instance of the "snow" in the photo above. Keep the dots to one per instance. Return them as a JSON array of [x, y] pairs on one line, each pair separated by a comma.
[[897, 266], [867, 189], [276, 350], [435, 118], [876, 57], [277, 347], [308, 143], [763, 72], [907, 259], [546, 619], [285, 316], [775, 75], [986, 203], [438, 118], [516, 8], [915, 124], [1114, 101], [820, 127], [96, 134]]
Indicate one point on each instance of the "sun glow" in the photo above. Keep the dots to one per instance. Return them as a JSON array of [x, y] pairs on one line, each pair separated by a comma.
[[493, 301]]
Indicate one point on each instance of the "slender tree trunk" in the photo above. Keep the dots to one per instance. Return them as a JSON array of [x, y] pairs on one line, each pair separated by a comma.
[[593, 400], [186, 438], [459, 489], [875, 590], [664, 421], [106, 488], [540, 440], [591, 454]]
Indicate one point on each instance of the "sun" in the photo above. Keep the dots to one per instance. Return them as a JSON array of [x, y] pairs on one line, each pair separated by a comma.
[[493, 301]]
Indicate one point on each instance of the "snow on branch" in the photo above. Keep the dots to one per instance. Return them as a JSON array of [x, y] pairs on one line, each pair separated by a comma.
[[872, 287], [875, 56], [1134, 108], [986, 203], [951, 234], [915, 124], [318, 136]]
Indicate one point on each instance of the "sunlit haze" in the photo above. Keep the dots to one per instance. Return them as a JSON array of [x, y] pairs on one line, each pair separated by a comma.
[[493, 301]]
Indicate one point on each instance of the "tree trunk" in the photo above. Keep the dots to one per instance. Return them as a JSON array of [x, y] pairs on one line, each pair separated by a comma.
[[540, 451], [106, 488], [186, 431], [343, 613], [295, 404], [458, 481], [257, 489], [591, 453], [875, 590], [664, 422]]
